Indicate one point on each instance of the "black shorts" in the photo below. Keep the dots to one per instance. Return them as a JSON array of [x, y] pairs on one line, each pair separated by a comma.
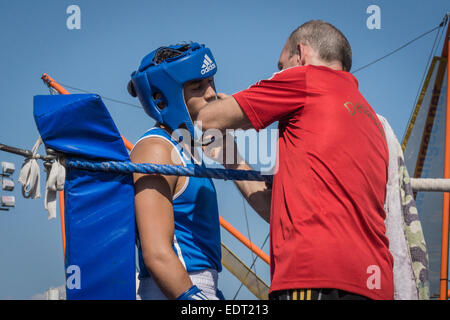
[[315, 294]]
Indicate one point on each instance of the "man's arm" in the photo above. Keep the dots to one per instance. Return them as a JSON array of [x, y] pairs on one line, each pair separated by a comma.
[[223, 113], [155, 221], [257, 193]]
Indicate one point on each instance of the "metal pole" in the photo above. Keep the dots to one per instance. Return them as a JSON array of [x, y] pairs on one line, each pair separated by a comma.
[[446, 201]]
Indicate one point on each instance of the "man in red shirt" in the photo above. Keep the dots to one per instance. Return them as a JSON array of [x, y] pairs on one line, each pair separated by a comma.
[[327, 202]]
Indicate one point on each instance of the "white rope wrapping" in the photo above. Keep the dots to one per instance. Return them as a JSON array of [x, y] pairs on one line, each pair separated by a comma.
[[422, 184], [56, 177], [30, 178]]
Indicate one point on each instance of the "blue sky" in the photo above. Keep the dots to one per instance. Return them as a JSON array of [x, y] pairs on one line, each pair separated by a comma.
[[246, 38]]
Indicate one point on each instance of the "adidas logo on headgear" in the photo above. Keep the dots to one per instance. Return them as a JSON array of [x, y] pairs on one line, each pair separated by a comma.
[[208, 65]]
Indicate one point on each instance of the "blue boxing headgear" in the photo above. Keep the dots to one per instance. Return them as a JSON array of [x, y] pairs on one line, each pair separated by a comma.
[[168, 78]]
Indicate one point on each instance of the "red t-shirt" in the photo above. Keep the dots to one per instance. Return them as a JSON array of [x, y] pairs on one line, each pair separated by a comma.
[[327, 215]]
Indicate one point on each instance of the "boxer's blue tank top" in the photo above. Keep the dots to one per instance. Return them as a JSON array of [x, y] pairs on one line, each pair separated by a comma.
[[197, 231]]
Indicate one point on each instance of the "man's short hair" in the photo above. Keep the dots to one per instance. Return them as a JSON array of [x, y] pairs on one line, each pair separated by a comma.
[[326, 39]]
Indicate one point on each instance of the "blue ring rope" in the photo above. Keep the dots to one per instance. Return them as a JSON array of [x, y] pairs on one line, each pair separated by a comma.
[[165, 169]]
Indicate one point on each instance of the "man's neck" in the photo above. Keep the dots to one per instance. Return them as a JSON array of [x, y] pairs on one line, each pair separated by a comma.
[[335, 65]]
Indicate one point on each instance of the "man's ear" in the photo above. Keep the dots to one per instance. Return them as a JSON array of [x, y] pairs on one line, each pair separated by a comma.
[[301, 54]]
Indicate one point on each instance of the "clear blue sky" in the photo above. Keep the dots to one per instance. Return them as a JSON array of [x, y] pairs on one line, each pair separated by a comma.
[[246, 38]]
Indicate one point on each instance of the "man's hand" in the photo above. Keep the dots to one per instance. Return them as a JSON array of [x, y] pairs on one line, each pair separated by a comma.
[[222, 113], [225, 113], [223, 150], [221, 95]]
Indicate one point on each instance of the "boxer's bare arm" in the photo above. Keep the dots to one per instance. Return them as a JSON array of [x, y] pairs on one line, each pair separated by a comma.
[[155, 220]]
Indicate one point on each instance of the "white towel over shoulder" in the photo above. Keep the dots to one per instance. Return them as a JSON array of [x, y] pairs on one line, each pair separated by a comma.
[[404, 281]]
